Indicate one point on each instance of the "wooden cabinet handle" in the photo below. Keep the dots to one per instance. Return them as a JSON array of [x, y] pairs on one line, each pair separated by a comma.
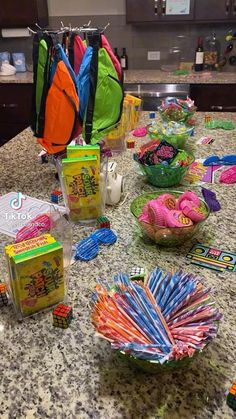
[[8, 105]]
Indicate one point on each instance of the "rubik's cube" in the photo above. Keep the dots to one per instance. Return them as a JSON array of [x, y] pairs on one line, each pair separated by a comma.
[[103, 222], [130, 143], [3, 295], [56, 197], [138, 274], [208, 118], [231, 398], [62, 316]]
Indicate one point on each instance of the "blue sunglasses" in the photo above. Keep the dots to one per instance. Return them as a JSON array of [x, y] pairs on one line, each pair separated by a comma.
[[227, 160]]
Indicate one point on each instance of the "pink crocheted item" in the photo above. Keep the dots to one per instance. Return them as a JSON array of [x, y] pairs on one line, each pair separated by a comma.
[[189, 196]]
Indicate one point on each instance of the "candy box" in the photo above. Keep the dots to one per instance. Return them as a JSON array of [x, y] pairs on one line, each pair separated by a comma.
[[36, 277]]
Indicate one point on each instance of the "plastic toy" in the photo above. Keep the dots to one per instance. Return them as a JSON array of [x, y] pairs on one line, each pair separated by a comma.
[[157, 213], [167, 200], [189, 196], [218, 123], [208, 118], [140, 132], [62, 316], [211, 258], [103, 222], [192, 212], [176, 218], [88, 248], [56, 197], [210, 198], [130, 143], [231, 398], [138, 274], [227, 160], [3, 295], [115, 185]]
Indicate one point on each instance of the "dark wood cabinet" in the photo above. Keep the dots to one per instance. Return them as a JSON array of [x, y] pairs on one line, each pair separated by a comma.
[[138, 11], [15, 109], [215, 10], [214, 97], [16, 14]]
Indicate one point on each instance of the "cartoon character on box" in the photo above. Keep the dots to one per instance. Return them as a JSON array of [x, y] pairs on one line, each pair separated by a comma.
[[115, 185]]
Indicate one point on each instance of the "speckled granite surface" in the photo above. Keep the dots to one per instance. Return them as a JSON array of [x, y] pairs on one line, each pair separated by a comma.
[[26, 77], [52, 373], [158, 76], [147, 76]]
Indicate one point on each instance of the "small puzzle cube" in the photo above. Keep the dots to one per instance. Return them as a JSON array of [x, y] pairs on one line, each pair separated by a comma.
[[62, 316], [56, 197], [103, 222], [3, 295], [138, 274], [208, 118], [130, 143], [231, 398]]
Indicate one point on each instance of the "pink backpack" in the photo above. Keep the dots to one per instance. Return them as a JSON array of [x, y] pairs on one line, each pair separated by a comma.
[[77, 49], [106, 45]]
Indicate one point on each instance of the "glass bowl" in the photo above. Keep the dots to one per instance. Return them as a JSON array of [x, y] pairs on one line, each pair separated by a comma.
[[176, 139], [165, 176], [173, 113], [165, 236]]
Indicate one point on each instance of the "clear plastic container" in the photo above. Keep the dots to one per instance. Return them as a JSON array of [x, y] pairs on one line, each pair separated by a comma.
[[81, 210]]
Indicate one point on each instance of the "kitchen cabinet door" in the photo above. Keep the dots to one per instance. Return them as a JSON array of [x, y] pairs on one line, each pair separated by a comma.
[[215, 10], [182, 12], [214, 97], [15, 109], [14, 14], [138, 11]]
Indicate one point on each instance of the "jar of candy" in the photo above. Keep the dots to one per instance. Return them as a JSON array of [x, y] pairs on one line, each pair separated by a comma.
[[212, 52]]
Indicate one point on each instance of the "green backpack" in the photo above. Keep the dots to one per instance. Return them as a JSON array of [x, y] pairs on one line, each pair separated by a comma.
[[42, 61], [105, 101]]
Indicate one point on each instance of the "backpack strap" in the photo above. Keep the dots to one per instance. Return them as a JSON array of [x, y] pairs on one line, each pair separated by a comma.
[[94, 42]]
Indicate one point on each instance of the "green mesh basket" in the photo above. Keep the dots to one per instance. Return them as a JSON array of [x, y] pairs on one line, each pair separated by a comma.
[[165, 176], [163, 236]]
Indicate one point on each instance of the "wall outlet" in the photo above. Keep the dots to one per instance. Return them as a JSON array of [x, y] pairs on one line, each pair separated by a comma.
[[153, 55]]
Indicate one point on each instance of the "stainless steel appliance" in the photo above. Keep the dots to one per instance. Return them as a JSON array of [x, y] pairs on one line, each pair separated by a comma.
[[153, 94]]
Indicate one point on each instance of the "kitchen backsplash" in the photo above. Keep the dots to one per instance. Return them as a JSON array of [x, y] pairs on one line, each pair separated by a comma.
[[138, 40]]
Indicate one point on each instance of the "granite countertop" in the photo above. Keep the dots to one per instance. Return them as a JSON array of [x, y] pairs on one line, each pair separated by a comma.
[[159, 76], [148, 76], [48, 372], [18, 78]]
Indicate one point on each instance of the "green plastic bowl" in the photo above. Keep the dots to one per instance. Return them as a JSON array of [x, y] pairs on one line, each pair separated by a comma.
[[165, 236], [155, 367], [165, 176]]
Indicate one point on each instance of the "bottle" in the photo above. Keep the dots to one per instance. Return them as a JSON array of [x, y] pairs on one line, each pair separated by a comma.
[[212, 52], [116, 53], [199, 55], [124, 60]]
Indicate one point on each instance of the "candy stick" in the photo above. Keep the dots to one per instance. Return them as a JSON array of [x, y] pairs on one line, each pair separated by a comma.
[[151, 313]]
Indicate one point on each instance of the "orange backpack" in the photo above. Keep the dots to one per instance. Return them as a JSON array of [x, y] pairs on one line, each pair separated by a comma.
[[62, 110]]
